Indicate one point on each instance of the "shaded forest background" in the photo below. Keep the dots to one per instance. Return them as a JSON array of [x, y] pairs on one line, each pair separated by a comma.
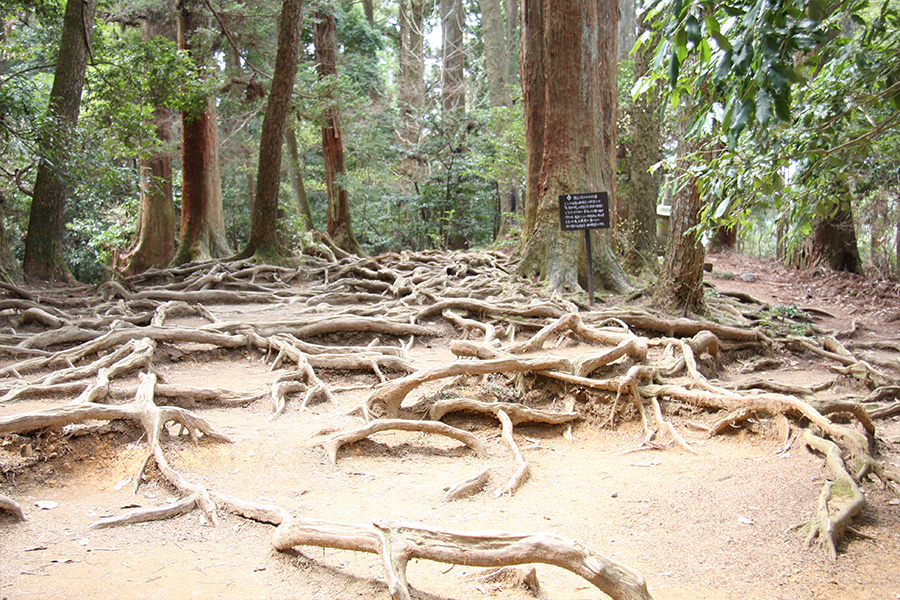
[[780, 121]]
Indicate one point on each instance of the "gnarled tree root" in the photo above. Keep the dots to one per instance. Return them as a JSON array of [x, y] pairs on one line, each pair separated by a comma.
[[469, 487], [391, 395], [828, 528], [398, 543], [334, 443]]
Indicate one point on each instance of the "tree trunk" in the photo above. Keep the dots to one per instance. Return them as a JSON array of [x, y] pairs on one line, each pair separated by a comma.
[[627, 28], [339, 225], [513, 39], [264, 217], [640, 228], [202, 216], [834, 238], [154, 240], [497, 72], [576, 97], [453, 78], [412, 84], [680, 286], [533, 96], [298, 190], [10, 270], [44, 259]]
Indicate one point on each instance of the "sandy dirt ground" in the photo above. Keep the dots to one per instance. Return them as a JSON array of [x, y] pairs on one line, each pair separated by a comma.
[[712, 526]]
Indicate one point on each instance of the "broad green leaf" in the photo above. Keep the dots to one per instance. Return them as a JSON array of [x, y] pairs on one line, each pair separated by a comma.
[[674, 66], [763, 107], [724, 68], [692, 30]]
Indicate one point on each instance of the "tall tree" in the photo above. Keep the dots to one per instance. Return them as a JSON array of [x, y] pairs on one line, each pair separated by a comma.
[[340, 227], [497, 73], [412, 82], [264, 218], [569, 52], [640, 227], [202, 215], [44, 258], [154, 240], [834, 236], [453, 78]]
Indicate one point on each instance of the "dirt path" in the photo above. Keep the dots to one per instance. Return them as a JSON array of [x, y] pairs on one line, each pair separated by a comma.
[[716, 525]]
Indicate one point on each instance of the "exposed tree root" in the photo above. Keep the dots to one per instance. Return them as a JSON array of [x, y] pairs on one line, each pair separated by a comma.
[[523, 469], [827, 527], [391, 395], [398, 543], [469, 487], [11, 506], [517, 413], [334, 443]]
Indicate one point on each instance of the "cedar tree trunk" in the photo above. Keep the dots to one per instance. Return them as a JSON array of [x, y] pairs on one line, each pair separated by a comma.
[[202, 216], [680, 286], [264, 218], [569, 66], [834, 238], [339, 226], [412, 84], [453, 78], [44, 258], [154, 240]]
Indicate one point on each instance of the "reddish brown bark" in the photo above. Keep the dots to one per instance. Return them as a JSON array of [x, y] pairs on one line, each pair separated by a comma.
[[575, 98], [339, 224], [202, 217], [154, 240]]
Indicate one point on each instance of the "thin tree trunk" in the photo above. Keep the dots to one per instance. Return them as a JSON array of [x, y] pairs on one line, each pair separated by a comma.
[[339, 224], [44, 258], [412, 84], [577, 98], [202, 215], [295, 171], [533, 95], [513, 39], [264, 216], [497, 72], [453, 80]]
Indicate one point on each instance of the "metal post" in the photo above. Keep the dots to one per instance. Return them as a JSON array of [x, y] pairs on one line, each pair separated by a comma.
[[590, 266]]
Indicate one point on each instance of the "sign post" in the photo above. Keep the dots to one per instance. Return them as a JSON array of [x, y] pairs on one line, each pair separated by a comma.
[[585, 211]]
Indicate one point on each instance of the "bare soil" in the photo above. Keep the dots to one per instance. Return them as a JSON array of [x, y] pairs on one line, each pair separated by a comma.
[[716, 525]]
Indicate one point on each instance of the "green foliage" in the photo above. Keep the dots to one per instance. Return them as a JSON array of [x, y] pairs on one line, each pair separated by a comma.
[[788, 102], [786, 320]]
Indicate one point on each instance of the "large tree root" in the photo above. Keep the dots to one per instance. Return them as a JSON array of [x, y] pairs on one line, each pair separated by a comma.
[[334, 443], [829, 528], [391, 395], [398, 543]]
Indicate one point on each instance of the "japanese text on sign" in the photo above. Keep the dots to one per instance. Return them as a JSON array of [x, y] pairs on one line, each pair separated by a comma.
[[584, 211]]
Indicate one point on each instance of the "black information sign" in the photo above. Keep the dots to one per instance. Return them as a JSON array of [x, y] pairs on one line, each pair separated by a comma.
[[584, 211]]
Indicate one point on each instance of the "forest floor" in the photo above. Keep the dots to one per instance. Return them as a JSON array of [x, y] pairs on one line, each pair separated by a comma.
[[712, 525]]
